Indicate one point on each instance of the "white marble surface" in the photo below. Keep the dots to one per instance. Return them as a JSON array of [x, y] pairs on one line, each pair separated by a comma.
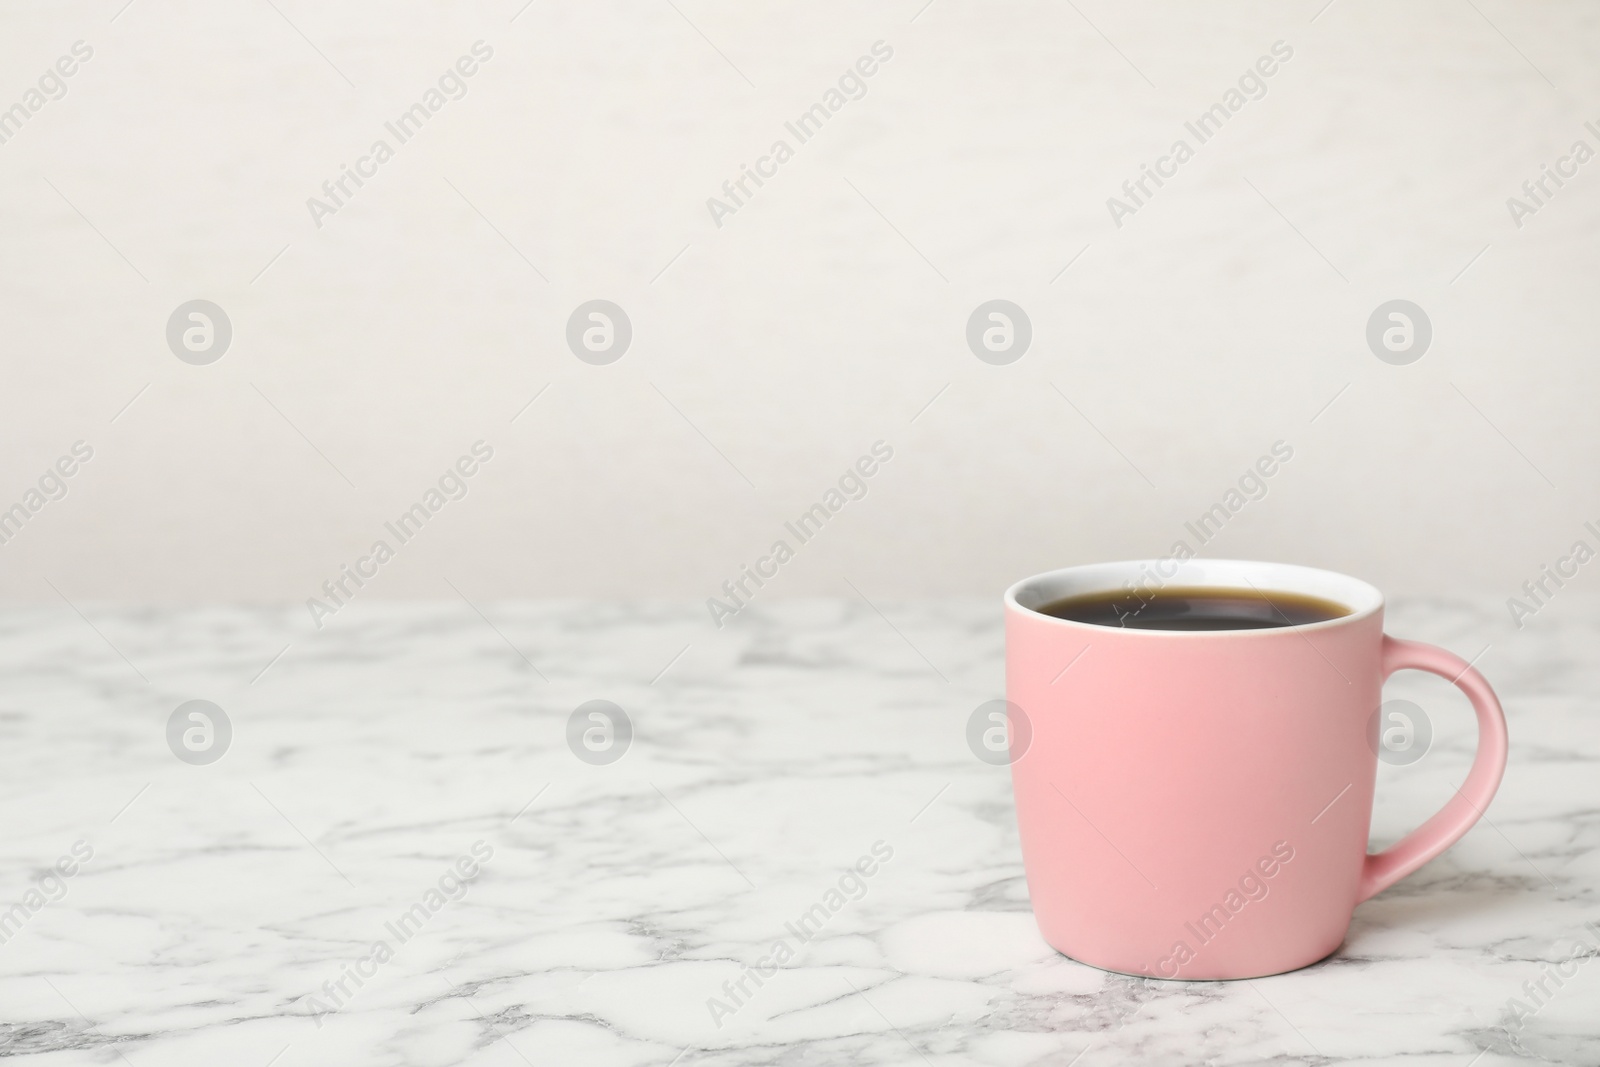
[[768, 758]]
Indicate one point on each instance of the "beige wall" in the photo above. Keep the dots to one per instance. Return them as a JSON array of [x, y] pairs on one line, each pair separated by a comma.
[[818, 318]]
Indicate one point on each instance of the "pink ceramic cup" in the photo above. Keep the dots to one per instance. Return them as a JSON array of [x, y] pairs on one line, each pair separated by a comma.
[[1195, 804]]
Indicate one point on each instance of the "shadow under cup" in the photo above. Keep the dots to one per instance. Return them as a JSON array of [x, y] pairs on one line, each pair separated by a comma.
[[1195, 804]]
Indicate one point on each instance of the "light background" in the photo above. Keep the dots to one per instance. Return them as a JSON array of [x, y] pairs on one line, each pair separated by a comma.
[[368, 354]]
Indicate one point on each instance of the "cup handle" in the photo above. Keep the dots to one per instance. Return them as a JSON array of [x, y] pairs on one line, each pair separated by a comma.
[[1446, 827]]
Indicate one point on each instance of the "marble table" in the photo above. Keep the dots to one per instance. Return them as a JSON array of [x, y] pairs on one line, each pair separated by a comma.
[[400, 860]]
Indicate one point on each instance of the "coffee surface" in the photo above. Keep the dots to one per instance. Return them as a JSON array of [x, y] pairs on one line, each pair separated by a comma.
[[1193, 608]]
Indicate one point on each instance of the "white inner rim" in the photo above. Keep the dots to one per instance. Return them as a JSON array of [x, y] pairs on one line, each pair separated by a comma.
[[1147, 575]]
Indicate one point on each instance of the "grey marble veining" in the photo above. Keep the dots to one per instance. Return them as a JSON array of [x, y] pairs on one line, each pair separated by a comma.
[[372, 762]]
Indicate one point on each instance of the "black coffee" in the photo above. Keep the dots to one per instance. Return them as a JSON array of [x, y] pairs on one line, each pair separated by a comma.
[[1194, 608]]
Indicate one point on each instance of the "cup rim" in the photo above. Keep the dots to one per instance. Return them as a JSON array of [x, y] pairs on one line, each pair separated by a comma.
[[1362, 598]]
